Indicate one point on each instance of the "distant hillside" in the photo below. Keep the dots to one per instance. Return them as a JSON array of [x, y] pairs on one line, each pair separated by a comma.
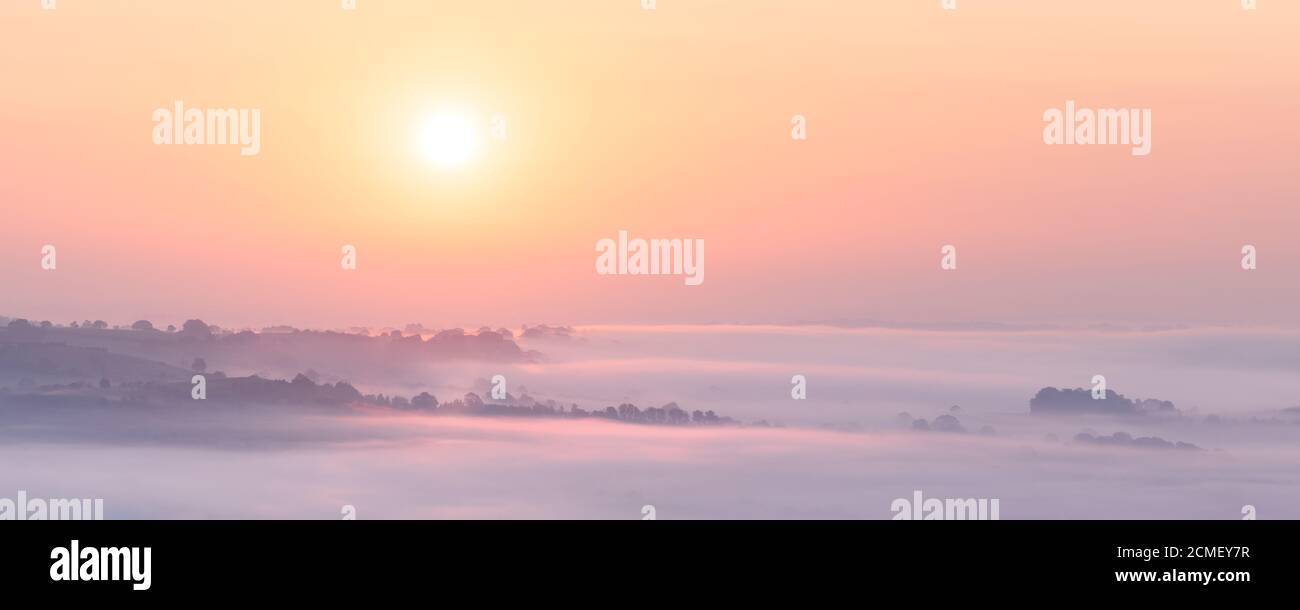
[[41, 363], [222, 393], [279, 352]]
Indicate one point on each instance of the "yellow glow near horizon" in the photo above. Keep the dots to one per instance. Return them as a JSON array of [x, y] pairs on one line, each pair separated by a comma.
[[448, 140]]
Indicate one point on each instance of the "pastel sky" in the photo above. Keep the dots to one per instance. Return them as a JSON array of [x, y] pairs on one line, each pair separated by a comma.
[[924, 129]]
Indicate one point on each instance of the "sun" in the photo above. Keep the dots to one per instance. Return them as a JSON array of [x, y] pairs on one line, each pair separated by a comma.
[[448, 140]]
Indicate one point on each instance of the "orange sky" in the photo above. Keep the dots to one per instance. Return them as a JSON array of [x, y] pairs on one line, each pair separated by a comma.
[[924, 129]]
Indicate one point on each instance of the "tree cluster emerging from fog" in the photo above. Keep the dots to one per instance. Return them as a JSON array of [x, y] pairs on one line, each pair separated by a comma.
[[474, 404], [1050, 400]]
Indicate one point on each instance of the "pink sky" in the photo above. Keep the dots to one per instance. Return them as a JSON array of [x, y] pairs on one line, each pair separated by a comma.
[[924, 129]]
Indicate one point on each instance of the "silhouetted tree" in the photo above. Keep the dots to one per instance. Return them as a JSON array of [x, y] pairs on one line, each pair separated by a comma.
[[424, 400], [197, 329], [344, 391], [947, 423], [676, 416]]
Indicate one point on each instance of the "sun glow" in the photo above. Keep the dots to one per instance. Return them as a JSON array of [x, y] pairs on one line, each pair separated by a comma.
[[448, 140]]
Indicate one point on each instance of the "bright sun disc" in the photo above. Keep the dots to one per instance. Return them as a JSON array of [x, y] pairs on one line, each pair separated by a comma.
[[448, 140]]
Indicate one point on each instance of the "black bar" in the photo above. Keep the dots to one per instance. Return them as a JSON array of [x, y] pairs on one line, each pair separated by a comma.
[[324, 558]]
